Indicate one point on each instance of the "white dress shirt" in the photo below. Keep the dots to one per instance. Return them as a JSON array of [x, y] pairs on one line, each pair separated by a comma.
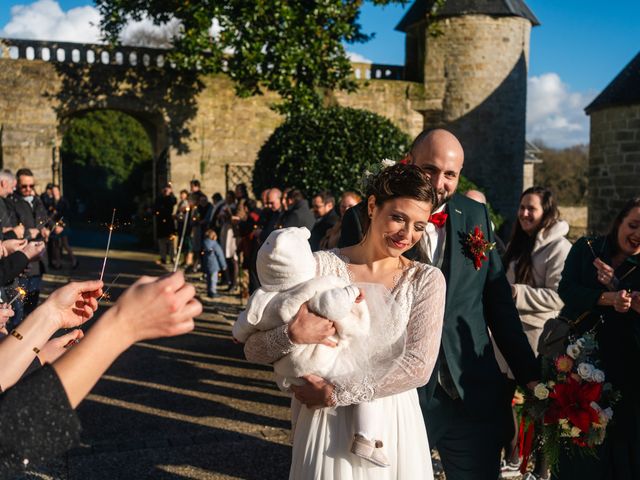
[[434, 238]]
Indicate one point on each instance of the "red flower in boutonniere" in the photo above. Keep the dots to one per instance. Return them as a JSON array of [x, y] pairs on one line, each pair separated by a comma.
[[477, 247]]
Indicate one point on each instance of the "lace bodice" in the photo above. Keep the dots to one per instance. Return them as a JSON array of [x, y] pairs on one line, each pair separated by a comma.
[[420, 294]]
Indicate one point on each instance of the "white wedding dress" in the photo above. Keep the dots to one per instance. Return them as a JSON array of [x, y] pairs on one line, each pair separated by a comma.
[[322, 437]]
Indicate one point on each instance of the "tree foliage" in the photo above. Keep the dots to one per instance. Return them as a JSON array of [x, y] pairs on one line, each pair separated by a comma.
[[565, 172], [292, 47], [326, 149], [105, 155]]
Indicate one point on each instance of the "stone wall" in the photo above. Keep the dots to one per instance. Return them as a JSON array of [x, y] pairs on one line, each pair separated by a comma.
[[221, 129], [614, 163]]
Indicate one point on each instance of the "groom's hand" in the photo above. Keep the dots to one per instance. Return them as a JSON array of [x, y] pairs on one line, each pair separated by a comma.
[[309, 328]]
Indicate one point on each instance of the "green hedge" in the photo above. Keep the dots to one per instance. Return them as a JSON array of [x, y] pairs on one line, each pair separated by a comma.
[[329, 149]]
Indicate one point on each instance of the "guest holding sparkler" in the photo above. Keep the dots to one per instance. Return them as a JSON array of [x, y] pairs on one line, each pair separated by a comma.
[[58, 221], [36, 415], [8, 222], [602, 277], [30, 212]]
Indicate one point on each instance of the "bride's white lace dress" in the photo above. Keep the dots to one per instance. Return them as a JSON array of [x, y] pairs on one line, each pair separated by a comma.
[[322, 437]]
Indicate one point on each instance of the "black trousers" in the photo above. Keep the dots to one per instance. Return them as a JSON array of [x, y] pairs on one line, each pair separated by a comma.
[[469, 445]]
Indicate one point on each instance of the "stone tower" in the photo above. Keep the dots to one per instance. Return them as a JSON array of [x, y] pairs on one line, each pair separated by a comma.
[[474, 72], [614, 147]]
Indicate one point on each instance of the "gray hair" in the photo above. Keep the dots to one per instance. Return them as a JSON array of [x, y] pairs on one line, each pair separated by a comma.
[[6, 174]]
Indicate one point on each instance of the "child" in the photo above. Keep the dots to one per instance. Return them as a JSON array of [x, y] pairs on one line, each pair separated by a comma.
[[287, 271], [213, 260]]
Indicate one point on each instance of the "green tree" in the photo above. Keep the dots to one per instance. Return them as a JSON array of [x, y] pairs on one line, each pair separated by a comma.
[[565, 172], [292, 47], [105, 155], [326, 149]]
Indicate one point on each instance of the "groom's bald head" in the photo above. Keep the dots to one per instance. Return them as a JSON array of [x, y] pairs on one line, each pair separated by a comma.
[[439, 154]]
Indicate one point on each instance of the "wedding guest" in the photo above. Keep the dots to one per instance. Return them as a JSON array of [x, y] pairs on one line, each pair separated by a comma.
[[534, 260], [59, 238], [36, 415], [229, 244], [165, 223], [322, 205], [183, 214], [29, 211], [8, 221], [297, 213], [331, 238], [601, 276], [272, 213], [467, 403], [241, 192], [213, 260]]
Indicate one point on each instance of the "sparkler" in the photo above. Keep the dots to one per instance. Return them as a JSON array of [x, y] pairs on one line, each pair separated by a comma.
[[184, 230], [104, 264], [21, 294], [105, 295], [589, 242]]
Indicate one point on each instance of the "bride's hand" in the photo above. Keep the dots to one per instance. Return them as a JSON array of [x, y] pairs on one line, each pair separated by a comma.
[[309, 328], [315, 393]]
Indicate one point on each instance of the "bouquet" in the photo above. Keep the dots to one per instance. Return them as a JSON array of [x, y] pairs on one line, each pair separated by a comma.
[[572, 407]]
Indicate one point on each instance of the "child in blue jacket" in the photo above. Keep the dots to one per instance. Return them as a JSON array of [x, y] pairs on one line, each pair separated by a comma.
[[213, 261]]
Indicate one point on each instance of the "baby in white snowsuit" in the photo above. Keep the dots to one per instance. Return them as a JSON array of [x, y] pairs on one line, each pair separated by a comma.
[[287, 271]]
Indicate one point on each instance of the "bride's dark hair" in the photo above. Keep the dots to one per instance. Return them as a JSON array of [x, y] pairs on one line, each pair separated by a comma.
[[399, 181]]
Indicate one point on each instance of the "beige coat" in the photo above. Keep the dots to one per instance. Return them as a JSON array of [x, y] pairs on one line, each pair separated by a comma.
[[537, 304]]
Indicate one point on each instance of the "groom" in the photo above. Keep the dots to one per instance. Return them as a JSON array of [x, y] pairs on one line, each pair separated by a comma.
[[467, 402]]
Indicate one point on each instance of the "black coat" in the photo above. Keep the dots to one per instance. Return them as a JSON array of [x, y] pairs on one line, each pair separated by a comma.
[[11, 266], [165, 222], [7, 217], [36, 421], [298, 215], [31, 216], [320, 229]]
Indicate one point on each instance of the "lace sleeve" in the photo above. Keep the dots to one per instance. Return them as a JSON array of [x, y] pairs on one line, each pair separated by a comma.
[[424, 329], [268, 347]]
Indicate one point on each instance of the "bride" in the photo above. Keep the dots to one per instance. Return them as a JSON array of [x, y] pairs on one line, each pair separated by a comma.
[[399, 202]]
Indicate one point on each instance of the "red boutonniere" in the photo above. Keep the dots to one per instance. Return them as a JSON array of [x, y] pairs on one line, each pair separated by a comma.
[[477, 247]]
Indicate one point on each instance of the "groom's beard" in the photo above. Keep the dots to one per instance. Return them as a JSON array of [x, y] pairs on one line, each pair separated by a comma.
[[443, 197]]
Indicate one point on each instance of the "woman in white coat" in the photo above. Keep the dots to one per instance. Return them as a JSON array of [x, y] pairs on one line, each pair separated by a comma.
[[534, 261]]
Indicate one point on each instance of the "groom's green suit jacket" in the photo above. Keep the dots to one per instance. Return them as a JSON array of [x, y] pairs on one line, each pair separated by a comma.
[[476, 301]]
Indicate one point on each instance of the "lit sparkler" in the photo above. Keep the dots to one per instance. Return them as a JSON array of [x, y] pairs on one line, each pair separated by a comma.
[[104, 264], [21, 294], [105, 295], [184, 230], [589, 242]]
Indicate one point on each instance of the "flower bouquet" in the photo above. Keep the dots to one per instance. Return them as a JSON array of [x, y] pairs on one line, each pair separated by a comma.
[[571, 408]]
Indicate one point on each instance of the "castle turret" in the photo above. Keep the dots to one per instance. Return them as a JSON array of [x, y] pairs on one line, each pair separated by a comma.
[[473, 62]]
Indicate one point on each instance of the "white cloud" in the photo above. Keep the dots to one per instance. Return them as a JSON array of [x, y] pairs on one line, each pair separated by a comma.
[[357, 58], [45, 20], [555, 114]]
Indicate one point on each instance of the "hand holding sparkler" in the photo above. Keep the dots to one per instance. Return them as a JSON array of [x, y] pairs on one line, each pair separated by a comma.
[[72, 305], [104, 264], [56, 347]]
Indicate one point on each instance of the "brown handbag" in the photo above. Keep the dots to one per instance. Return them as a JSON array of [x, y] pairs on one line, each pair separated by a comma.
[[555, 334]]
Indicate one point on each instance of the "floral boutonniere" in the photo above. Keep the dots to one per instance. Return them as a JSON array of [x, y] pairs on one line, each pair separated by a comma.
[[477, 247]]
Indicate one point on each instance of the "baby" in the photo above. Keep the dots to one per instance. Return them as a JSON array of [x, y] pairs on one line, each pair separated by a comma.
[[287, 271]]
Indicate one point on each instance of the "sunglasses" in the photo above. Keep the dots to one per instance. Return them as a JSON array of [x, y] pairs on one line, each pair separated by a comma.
[[24, 187]]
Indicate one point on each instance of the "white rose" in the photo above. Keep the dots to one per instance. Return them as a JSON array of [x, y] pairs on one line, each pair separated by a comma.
[[575, 432], [573, 351], [585, 370], [387, 163], [597, 376], [541, 391]]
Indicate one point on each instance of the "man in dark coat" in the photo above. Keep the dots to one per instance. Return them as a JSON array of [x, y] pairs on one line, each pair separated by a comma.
[[467, 402], [323, 205], [8, 222], [298, 213], [272, 213], [30, 212], [165, 223]]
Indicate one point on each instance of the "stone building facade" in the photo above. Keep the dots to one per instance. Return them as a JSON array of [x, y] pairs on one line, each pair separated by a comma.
[[614, 149], [471, 79]]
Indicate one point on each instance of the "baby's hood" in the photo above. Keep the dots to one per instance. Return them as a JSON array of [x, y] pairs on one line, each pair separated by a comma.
[[285, 259]]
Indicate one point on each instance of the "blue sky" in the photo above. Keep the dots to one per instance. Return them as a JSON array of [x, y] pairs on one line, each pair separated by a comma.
[[575, 53]]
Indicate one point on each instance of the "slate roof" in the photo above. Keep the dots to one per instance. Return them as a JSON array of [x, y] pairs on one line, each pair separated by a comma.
[[623, 90], [453, 8]]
